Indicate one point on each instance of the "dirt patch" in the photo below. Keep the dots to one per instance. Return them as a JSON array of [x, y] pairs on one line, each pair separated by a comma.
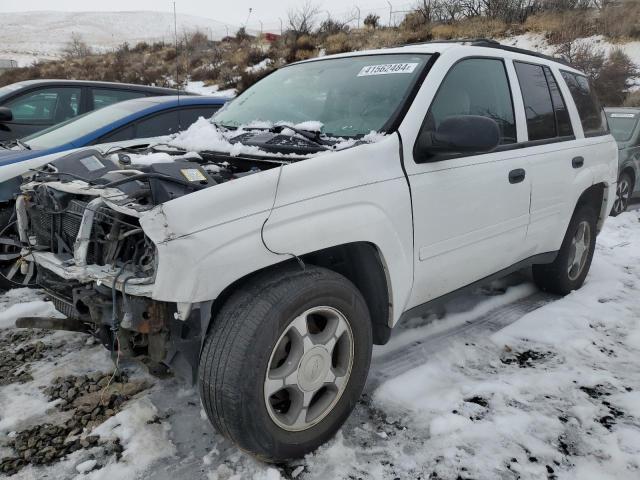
[[478, 401], [596, 391], [525, 359]]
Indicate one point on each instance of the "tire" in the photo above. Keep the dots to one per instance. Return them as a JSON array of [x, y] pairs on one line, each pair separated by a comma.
[[255, 341], [567, 272], [624, 190]]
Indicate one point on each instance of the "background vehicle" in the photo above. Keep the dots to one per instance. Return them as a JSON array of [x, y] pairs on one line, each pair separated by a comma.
[[625, 127], [270, 277], [30, 106], [143, 118]]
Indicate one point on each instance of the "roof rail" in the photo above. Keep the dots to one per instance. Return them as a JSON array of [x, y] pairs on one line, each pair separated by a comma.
[[489, 43]]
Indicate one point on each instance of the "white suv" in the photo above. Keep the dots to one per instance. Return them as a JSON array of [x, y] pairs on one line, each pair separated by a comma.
[[331, 200]]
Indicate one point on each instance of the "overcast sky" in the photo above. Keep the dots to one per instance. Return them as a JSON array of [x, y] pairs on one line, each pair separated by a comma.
[[234, 11]]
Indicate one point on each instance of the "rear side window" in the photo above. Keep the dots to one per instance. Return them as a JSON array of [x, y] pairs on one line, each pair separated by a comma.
[[475, 86], [126, 133], [189, 116], [159, 125], [563, 121], [541, 123], [103, 97], [592, 116]]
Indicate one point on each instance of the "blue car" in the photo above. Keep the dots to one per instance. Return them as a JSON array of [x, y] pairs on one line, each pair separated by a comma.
[[142, 118]]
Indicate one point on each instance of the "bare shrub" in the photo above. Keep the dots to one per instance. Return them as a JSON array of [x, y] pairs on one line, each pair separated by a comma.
[[302, 20], [372, 20], [331, 26], [414, 21], [77, 47]]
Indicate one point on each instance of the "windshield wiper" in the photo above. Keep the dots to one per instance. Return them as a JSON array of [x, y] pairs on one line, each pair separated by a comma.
[[313, 137], [22, 144], [17, 142]]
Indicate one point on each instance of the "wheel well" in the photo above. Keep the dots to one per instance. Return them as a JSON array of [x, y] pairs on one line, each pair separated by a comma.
[[594, 196], [361, 263], [631, 173]]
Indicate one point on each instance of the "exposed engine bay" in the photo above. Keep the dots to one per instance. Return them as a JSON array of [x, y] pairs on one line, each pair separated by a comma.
[[78, 219]]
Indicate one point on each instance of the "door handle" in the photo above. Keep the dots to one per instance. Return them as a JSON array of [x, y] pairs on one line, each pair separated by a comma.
[[517, 175], [577, 162]]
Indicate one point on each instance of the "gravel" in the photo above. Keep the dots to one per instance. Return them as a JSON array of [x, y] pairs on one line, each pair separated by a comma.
[[90, 399]]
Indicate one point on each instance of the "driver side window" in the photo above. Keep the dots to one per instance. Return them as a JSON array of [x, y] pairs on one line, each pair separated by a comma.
[[475, 86]]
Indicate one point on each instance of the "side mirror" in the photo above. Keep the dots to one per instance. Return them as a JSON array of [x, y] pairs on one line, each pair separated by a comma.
[[6, 115], [460, 134]]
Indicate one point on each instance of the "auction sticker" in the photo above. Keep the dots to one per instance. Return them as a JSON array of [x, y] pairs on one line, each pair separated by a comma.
[[193, 174], [387, 69]]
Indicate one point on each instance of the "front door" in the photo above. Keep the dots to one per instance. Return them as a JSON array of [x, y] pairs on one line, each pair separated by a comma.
[[470, 211]]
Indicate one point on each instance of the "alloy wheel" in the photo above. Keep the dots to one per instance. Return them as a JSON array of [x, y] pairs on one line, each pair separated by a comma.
[[309, 368], [579, 253], [623, 194]]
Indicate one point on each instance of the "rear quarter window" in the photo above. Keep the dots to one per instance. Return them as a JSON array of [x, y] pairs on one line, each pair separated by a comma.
[[592, 117]]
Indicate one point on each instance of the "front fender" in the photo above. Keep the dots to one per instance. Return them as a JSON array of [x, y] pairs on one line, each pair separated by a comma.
[[210, 239]]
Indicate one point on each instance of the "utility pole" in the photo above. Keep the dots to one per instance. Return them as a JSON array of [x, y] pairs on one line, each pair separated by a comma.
[[261, 27], [227, 27], [358, 9], [248, 16], [281, 30], [390, 12]]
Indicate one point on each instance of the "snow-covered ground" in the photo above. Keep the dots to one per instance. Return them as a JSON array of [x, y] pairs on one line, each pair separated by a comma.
[[510, 383], [201, 89], [28, 36]]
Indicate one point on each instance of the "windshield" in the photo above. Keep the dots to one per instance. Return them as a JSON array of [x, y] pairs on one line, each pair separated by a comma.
[[78, 127], [350, 96], [622, 125]]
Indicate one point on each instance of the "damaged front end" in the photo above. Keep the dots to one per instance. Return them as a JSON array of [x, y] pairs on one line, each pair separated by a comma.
[[79, 222]]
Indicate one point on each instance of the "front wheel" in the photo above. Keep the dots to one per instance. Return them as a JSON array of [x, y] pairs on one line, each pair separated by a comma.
[[570, 268], [285, 361], [624, 191]]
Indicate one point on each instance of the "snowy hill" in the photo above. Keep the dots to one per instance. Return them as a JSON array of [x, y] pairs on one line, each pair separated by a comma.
[[26, 36]]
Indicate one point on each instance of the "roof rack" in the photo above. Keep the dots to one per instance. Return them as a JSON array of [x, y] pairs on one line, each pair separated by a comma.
[[489, 43]]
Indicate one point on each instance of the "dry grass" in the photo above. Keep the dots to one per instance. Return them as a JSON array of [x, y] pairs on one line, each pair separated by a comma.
[[480, 27]]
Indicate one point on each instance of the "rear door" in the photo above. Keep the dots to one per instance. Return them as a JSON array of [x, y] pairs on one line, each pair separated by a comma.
[[471, 211], [41, 108], [561, 150]]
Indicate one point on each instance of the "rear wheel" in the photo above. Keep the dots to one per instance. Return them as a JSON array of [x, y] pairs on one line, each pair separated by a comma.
[[624, 191], [570, 268], [286, 361]]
